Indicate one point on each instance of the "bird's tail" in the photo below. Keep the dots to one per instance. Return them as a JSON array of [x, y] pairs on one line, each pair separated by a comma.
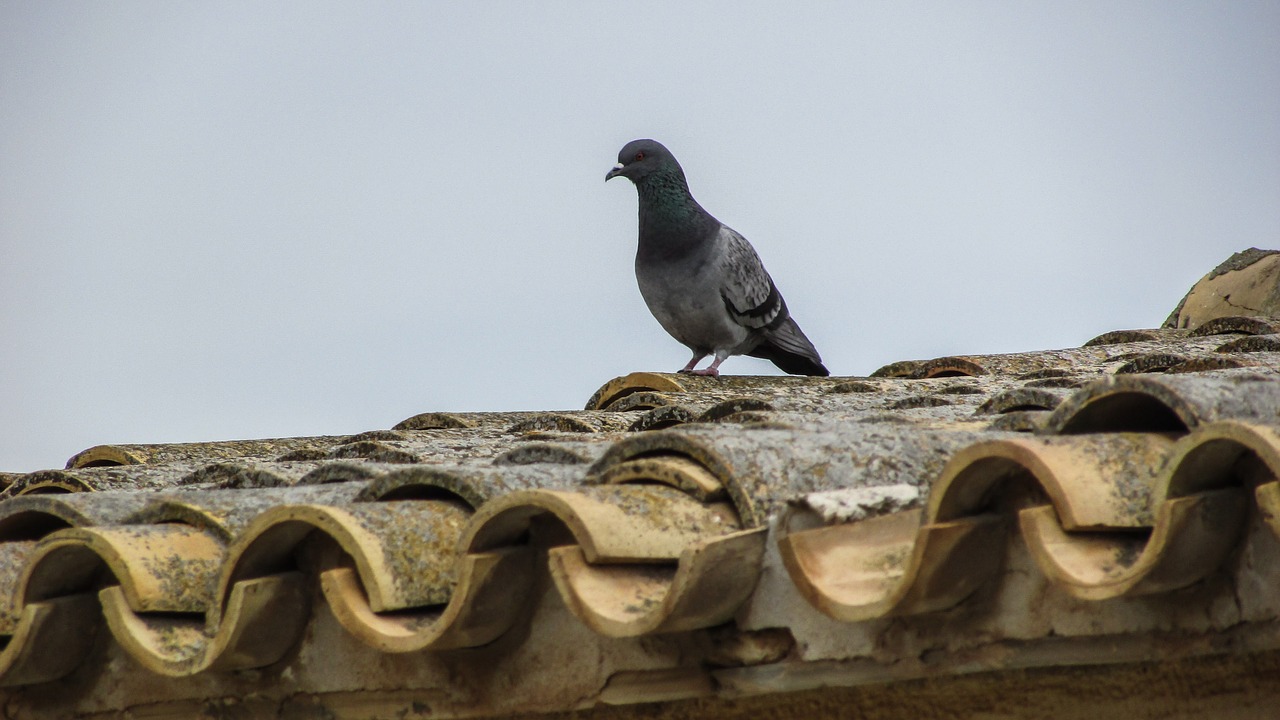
[[787, 347]]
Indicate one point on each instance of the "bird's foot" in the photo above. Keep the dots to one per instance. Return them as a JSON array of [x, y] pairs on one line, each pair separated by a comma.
[[709, 371]]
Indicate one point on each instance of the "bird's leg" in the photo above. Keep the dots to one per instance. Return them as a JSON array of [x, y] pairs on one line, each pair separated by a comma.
[[689, 368], [710, 370]]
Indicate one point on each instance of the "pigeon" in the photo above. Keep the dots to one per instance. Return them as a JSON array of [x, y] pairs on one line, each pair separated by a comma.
[[701, 279]]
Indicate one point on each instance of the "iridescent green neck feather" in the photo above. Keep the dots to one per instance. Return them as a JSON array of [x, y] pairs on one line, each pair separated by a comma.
[[671, 221]]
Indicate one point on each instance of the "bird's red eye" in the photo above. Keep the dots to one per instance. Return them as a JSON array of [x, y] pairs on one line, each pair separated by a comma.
[[639, 156]]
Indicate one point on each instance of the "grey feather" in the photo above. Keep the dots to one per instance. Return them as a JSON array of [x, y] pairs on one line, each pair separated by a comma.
[[702, 280], [748, 291]]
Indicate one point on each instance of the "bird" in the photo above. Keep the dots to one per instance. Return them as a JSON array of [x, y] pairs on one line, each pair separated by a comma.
[[701, 279]]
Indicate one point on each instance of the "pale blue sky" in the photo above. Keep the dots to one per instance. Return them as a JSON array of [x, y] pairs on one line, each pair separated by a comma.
[[260, 219]]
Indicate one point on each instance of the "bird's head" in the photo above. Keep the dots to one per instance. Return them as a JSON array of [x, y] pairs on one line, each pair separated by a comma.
[[639, 159]]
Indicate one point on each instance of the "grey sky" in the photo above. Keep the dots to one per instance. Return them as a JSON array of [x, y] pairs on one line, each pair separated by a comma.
[[272, 219]]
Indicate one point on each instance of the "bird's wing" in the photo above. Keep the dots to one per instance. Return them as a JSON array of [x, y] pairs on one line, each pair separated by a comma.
[[754, 302], [750, 296]]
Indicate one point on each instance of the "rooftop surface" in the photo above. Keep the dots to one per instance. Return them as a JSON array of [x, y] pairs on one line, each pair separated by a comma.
[[679, 540]]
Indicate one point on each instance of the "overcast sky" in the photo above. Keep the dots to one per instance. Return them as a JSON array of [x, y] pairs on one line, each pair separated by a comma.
[[231, 220]]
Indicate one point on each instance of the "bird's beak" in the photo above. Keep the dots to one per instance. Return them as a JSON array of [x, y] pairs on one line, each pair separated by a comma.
[[614, 172]]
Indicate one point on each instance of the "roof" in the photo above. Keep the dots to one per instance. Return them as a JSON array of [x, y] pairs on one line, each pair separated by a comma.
[[680, 537]]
